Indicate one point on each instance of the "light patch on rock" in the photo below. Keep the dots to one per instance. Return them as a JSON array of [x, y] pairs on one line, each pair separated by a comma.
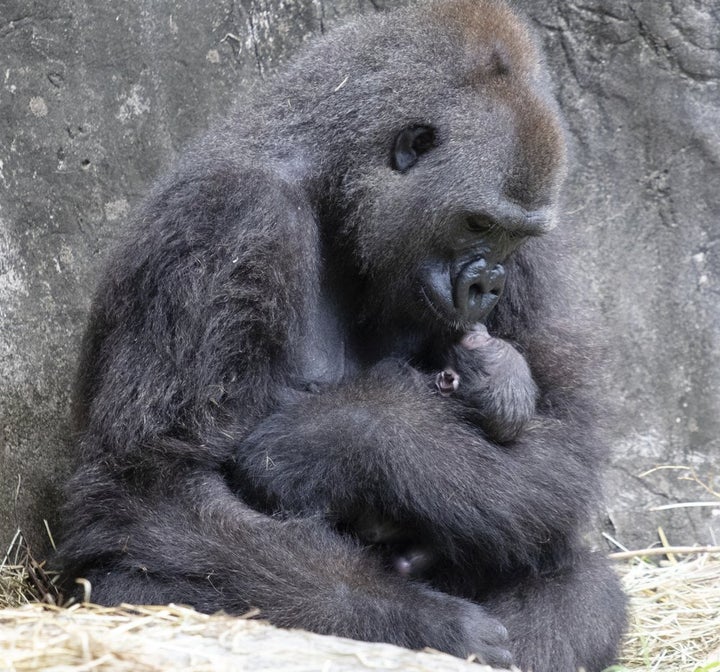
[[66, 255], [133, 105], [12, 284], [213, 56], [700, 262], [114, 210], [38, 107], [648, 447]]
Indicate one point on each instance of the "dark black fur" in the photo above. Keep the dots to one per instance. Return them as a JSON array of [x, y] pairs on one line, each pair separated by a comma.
[[258, 376]]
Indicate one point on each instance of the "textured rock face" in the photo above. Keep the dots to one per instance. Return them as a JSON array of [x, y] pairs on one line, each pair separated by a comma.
[[640, 84], [96, 99]]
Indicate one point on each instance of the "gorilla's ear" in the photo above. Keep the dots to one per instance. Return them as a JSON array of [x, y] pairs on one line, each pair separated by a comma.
[[411, 143]]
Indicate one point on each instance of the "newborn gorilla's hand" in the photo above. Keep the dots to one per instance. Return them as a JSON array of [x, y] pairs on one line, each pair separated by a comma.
[[447, 382]]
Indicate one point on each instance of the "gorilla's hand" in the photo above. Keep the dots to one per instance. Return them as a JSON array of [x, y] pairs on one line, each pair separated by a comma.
[[467, 629], [493, 381]]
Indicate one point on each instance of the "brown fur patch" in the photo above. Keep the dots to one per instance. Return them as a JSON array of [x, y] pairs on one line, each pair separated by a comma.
[[541, 155], [495, 41], [498, 54]]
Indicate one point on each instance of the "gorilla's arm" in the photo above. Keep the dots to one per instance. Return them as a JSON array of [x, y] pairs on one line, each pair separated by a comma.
[[385, 440], [189, 539]]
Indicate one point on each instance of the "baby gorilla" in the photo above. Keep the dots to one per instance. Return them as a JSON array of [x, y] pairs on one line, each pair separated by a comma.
[[498, 393]]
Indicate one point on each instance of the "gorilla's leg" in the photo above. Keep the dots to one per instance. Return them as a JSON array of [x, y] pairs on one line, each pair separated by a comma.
[[564, 621], [204, 547]]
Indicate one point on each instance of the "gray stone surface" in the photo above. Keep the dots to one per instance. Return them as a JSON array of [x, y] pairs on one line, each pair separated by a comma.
[[640, 85], [97, 98]]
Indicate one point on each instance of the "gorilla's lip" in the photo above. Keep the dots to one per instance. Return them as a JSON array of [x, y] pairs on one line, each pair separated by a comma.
[[441, 315], [436, 287]]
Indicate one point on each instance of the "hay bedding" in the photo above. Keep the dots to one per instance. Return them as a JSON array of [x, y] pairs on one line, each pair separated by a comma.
[[139, 639], [674, 614], [675, 627]]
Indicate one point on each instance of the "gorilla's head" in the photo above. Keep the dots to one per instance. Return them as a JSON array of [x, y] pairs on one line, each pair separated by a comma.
[[440, 158]]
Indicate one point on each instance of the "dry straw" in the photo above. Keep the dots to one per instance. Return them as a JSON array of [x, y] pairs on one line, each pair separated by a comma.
[[22, 578], [675, 627], [674, 614]]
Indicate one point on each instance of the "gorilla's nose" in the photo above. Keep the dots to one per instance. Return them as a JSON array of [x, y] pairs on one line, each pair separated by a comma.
[[478, 288]]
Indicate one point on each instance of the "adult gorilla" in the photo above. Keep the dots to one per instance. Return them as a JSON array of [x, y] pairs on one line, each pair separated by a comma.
[[262, 419]]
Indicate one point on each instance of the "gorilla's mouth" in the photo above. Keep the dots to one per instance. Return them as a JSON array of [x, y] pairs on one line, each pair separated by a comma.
[[465, 297], [482, 302]]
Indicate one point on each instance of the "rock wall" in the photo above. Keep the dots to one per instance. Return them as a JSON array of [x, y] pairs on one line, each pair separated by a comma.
[[97, 98]]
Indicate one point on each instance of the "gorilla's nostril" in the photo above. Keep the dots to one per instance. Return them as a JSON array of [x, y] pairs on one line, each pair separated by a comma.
[[478, 287]]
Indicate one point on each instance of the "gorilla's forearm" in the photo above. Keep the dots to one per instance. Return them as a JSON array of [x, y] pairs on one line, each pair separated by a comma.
[[395, 445], [192, 540]]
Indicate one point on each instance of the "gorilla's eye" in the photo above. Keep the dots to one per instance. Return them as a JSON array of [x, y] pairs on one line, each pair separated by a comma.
[[410, 144], [481, 223]]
